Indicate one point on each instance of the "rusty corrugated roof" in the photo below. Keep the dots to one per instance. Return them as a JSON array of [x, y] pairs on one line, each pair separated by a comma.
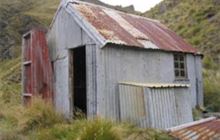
[[207, 129], [125, 29]]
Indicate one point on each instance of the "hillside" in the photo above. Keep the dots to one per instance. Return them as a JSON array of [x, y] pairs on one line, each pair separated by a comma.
[[198, 21]]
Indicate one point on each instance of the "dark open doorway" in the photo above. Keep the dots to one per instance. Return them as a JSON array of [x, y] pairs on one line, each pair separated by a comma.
[[79, 80]]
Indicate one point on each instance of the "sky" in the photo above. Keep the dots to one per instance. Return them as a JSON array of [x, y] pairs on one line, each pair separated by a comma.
[[140, 5]]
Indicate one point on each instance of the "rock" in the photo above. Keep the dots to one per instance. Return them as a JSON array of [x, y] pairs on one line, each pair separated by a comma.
[[163, 8], [216, 2], [129, 8], [3, 24]]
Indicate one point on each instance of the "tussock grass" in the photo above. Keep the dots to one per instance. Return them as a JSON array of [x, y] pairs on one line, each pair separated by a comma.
[[99, 129], [20, 120], [39, 115], [41, 122]]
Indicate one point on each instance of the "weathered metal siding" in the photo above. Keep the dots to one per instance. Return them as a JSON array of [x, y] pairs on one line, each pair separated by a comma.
[[154, 107], [123, 64], [194, 69], [66, 34], [162, 107], [184, 108], [37, 69], [199, 79], [59, 58], [168, 106], [132, 105]]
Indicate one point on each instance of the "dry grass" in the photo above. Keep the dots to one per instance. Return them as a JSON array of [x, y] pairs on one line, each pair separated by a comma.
[[41, 122]]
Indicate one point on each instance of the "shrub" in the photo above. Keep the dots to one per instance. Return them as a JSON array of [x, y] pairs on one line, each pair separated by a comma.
[[212, 95]]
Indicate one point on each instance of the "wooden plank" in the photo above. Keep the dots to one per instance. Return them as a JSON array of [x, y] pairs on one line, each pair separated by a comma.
[[27, 63], [27, 94]]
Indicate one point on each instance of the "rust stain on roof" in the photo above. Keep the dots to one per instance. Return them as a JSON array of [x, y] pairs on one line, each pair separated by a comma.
[[131, 30], [207, 130]]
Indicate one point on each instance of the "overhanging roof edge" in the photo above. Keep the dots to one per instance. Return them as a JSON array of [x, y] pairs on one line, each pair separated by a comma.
[[86, 26], [108, 42]]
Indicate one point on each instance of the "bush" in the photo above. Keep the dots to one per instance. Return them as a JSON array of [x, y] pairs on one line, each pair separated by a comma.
[[208, 62], [212, 95]]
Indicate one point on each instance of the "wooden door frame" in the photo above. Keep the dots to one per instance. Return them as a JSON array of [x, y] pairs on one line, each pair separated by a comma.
[[71, 80]]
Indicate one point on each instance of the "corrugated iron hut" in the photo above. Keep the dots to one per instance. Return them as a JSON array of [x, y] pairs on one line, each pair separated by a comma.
[[122, 67]]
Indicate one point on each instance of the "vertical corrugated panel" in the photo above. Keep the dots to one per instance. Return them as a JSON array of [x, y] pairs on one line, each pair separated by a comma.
[[163, 107], [154, 107], [169, 107], [132, 104], [184, 108], [110, 93]]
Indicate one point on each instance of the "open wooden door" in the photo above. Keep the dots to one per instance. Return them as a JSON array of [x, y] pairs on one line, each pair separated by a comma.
[[36, 69]]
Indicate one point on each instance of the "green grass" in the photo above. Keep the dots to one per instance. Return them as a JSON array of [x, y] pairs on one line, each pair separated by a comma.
[[10, 85]]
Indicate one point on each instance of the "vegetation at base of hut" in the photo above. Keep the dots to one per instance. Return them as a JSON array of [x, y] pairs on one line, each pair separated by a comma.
[[41, 122]]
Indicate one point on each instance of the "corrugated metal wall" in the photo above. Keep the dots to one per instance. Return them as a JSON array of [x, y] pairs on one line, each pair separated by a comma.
[[132, 105], [162, 107], [154, 107], [184, 108], [66, 34], [116, 64]]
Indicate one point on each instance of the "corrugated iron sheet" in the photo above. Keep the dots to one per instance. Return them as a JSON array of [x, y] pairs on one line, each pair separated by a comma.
[[37, 69], [208, 129], [131, 30], [132, 106], [153, 107]]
